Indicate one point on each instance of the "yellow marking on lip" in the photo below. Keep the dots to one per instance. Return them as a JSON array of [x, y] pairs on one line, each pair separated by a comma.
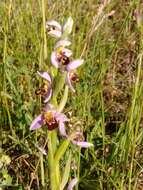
[[59, 49], [48, 116]]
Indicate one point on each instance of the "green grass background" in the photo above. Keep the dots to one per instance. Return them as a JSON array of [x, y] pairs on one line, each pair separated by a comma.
[[108, 100]]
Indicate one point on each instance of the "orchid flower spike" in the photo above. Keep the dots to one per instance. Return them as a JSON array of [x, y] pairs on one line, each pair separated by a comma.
[[49, 117], [45, 90], [56, 30]]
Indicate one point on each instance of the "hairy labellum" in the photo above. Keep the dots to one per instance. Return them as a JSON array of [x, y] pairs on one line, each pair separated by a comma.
[[79, 137], [50, 121], [74, 77], [62, 58], [65, 60], [42, 90]]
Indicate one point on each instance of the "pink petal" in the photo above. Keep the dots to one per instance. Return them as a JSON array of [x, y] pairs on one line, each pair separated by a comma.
[[37, 122], [54, 60], [63, 43], [68, 81], [62, 129], [82, 144], [44, 75], [74, 64], [61, 117], [72, 183], [79, 133], [53, 23], [55, 33], [48, 96], [67, 52]]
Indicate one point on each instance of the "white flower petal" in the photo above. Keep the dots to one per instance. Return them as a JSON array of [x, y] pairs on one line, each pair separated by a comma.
[[63, 43], [53, 23], [55, 33], [82, 144]]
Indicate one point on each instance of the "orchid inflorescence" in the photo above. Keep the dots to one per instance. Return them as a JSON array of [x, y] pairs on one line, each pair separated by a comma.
[[61, 59]]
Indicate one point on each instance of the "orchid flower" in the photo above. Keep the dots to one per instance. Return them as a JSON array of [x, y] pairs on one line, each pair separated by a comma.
[[60, 57], [54, 119], [45, 90], [76, 138], [49, 117], [56, 30], [71, 75]]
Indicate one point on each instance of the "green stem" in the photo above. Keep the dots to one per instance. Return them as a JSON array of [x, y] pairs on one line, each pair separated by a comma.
[[131, 129], [54, 141], [78, 169], [42, 171], [44, 29], [60, 81], [51, 163]]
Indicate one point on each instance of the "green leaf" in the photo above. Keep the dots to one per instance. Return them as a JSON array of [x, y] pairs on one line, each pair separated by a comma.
[[64, 100], [61, 150], [66, 173], [68, 27]]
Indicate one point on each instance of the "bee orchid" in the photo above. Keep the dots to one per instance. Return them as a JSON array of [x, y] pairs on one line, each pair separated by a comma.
[[60, 57], [49, 117], [45, 90], [76, 137], [57, 30], [71, 76], [54, 119]]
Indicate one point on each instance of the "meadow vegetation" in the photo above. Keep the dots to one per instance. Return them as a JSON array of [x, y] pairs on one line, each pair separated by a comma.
[[107, 105]]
